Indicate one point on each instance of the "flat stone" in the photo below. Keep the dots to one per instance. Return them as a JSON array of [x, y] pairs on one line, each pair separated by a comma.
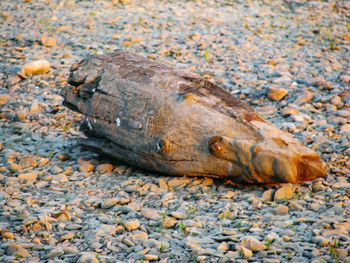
[[207, 182], [179, 182], [234, 254], [135, 206], [345, 78], [318, 186], [293, 205], [48, 41], [305, 97], [271, 237], [343, 226], [244, 252], [321, 241], [345, 128], [36, 107], [7, 235], [271, 260], [201, 258], [128, 242], [229, 195], [321, 83], [340, 185], [28, 162], [139, 235], [286, 238], [281, 210], [86, 167], [284, 193], [282, 80], [15, 203], [151, 257], [268, 195], [252, 243], [150, 214], [4, 98], [343, 113], [74, 226], [43, 161], [15, 167], [132, 225], [88, 257], [104, 168], [288, 111], [110, 202], [276, 93], [315, 206], [168, 222], [342, 252], [336, 100], [68, 236], [70, 250], [35, 68], [223, 247], [22, 253], [63, 216], [301, 118], [29, 220], [28, 177], [59, 178], [13, 80], [179, 214], [56, 252]]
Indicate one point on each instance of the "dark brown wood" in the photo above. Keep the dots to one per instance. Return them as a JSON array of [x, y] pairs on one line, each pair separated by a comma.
[[174, 122]]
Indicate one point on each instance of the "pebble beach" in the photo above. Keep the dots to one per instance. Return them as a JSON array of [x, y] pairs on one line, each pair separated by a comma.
[[61, 202]]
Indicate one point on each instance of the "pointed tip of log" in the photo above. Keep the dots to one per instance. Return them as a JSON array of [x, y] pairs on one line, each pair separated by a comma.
[[310, 167], [293, 162], [273, 161]]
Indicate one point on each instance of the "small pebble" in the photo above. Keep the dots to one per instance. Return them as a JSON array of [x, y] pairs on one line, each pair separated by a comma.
[[169, 222], [104, 168], [245, 252], [284, 193], [88, 257], [281, 210], [132, 225], [268, 195], [305, 97], [8, 235], [150, 214], [67, 236], [35, 68], [252, 243], [48, 41], [151, 257], [86, 167], [345, 129], [56, 252], [22, 253], [276, 93], [28, 177], [223, 247]]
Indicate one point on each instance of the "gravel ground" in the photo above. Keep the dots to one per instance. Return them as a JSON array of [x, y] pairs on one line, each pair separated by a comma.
[[60, 202]]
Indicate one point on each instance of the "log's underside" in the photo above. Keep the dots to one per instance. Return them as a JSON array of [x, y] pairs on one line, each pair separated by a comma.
[[170, 121]]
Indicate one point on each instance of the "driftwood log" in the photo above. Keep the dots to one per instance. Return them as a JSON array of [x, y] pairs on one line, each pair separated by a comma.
[[170, 121]]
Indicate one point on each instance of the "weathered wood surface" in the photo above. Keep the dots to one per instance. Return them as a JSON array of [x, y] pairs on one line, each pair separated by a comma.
[[174, 122]]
